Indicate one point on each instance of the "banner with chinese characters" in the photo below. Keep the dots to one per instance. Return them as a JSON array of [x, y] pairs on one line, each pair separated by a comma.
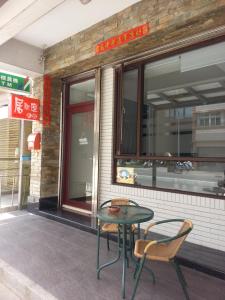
[[47, 101], [14, 82], [122, 38], [22, 107]]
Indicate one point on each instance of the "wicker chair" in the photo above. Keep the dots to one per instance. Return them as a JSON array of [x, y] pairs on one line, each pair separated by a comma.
[[113, 228], [164, 250]]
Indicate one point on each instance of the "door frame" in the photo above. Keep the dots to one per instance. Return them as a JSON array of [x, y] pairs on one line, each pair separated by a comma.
[[66, 82], [71, 110]]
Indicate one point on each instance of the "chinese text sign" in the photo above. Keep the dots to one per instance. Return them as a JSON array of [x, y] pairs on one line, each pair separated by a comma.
[[122, 38], [22, 107], [14, 82]]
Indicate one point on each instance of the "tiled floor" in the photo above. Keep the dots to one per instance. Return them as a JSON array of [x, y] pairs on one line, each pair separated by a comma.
[[62, 260]]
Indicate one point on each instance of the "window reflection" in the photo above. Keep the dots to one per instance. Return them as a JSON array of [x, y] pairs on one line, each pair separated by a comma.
[[129, 112], [198, 177], [82, 92], [183, 110]]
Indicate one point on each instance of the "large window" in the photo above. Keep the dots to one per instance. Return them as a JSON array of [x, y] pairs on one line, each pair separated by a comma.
[[171, 123]]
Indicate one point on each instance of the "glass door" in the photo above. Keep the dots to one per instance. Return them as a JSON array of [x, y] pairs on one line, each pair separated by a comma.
[[78, 156]]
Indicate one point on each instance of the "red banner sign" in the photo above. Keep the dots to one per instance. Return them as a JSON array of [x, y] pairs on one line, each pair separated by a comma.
[[47, 101], [122, 38], [22, 107]]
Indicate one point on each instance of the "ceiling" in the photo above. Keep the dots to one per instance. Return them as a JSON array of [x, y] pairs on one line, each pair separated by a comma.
[[67, 19], [27, 27]]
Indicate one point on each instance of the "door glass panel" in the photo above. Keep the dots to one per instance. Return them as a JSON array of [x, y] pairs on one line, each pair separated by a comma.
[[81, 162], [82, 92]]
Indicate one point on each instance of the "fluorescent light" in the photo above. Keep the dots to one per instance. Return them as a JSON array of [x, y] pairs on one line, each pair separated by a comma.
[[207, 86], [152, 96], [216, 94], [175, 92], [187, 98], [160, 102]]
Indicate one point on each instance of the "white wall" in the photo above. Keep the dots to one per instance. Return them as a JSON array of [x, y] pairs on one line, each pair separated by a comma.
[[19, 57], [207, 214]]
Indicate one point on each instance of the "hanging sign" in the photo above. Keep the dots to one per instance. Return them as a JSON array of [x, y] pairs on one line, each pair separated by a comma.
[[47, 101], [122, 38], [22, 107], [14, 82]]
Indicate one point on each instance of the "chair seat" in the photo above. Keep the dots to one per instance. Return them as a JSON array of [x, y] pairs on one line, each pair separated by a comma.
[[114, 227], [156, 252]]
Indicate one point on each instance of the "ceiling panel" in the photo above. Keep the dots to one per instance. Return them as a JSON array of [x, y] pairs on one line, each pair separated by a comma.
[[68, 19]]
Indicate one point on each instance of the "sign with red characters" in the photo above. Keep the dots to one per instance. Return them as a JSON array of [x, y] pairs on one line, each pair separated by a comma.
[[47, 101], [22, 107], [122, 38]]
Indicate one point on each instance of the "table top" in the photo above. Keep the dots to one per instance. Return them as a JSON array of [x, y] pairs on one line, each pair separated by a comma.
[[128, 214]]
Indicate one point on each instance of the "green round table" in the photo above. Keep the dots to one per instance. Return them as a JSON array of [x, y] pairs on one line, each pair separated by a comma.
[[127, 216]]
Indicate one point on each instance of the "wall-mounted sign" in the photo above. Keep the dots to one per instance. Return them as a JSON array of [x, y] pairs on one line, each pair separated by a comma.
[[14, 82], [47, 101], [22, 107], [122, 38]]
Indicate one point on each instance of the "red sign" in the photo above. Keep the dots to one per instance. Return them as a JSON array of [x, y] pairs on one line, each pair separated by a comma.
[[22, 107], [122, 38], [47, 101]]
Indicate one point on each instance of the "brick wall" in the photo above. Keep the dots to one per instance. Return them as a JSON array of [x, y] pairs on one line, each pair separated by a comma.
[[169, 21], [45, 163]]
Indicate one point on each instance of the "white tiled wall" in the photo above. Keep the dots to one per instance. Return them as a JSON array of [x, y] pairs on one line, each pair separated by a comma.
[[207, 214]]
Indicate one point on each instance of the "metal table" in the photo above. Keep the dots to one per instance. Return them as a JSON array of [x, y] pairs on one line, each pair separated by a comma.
[[127, 216]]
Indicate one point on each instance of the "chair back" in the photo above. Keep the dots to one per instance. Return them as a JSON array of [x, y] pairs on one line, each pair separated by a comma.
[[174, 245], [120, 201]]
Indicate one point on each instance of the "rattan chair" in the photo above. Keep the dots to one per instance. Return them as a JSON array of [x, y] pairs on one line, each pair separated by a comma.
[[113, 228], [164, 250]]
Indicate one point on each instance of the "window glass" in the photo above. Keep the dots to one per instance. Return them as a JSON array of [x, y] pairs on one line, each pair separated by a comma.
[[82, 92], [129, 112], [183, 108], [182, 116], [198, 177]]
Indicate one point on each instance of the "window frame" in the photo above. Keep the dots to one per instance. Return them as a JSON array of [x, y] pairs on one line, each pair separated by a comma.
[[118, 98]]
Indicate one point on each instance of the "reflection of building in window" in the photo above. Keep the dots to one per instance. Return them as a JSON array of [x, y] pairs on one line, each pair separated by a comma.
[[209, 119], [209, 130]]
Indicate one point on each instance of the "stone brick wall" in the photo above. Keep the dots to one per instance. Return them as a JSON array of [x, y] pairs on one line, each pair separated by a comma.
[[169, 21], [45, 163]]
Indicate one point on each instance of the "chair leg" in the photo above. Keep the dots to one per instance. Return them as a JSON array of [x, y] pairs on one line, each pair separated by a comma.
[[181, 278], [136, 267], [151, 273], [107, 237], [133, 241], [138, 276], [181, 273]]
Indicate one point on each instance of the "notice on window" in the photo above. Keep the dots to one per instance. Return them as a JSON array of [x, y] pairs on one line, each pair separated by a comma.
[[125, 175]]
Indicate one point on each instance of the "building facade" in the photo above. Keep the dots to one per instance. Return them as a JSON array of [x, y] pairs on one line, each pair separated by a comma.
[[144, 120]]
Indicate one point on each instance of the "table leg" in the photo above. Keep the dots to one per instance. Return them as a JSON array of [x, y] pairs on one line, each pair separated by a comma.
[[98, 244], [99, 268], [124, 253]]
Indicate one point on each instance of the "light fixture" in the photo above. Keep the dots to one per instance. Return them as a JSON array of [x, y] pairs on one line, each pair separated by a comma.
[[85, 1]]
